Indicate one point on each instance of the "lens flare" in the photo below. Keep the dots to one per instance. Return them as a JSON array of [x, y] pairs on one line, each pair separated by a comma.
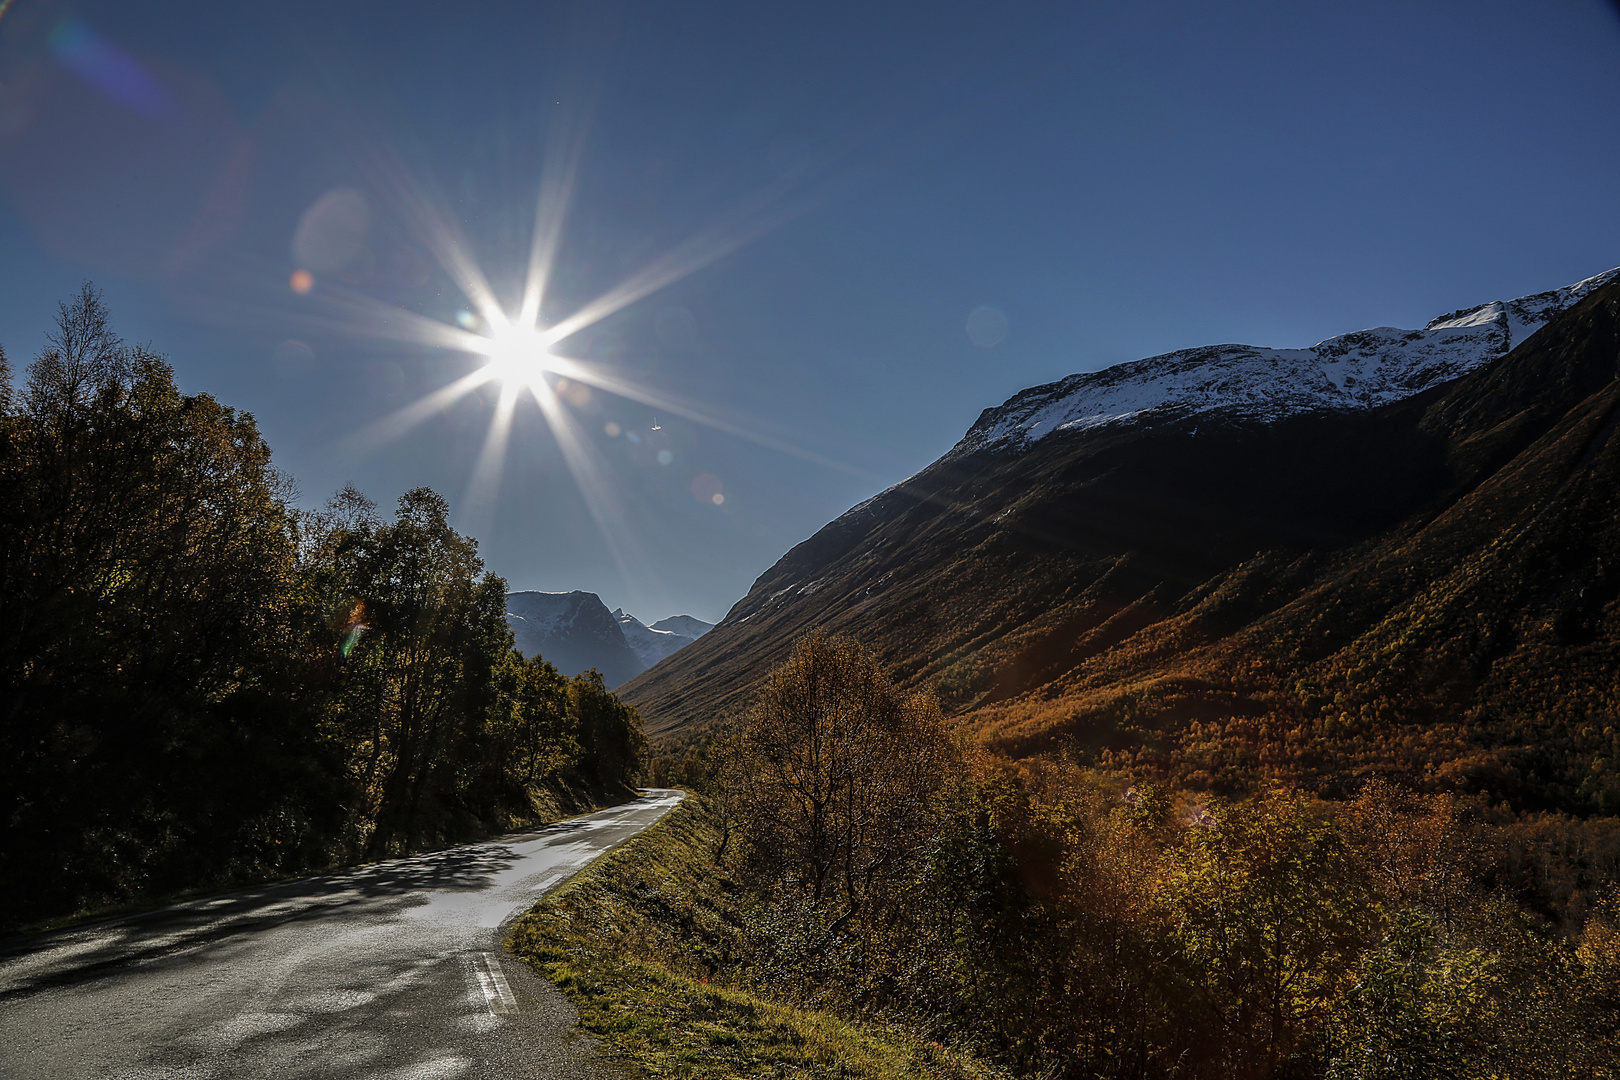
[[706, 488], [352, 629], [110, 70]]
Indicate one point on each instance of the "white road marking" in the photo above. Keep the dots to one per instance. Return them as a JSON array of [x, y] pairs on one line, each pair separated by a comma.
[[492, 982], [271, 978]]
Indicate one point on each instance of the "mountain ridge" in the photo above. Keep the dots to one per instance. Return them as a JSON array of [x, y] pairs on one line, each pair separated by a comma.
[[1358, 370]]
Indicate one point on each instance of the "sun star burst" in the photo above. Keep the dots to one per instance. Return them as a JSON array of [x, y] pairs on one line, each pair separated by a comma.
[[518, 351], [518, 355]]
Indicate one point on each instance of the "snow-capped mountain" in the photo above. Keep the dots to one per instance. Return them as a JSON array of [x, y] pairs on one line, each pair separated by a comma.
[[575, 631], [1353, 371], [1211, 484], [685, 625], [649, 645]]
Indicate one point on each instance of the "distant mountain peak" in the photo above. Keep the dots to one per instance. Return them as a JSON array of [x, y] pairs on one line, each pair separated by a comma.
[[649, 643], [684, 624], [575, 631], [1354, 371]]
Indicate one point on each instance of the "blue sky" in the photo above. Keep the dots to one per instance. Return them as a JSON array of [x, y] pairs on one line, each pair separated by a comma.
[[1110, 180]]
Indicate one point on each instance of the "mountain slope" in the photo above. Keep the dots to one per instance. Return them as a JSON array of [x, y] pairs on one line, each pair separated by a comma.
[[1475, 645], [650, 645], [1221, 593], [573, 630]]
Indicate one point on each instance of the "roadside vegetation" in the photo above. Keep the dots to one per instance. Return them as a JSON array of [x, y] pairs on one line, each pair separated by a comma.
[[652, 944], [852, 857], [203, 686]]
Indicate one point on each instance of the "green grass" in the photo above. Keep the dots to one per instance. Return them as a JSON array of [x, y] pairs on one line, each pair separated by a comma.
[[646, 942]]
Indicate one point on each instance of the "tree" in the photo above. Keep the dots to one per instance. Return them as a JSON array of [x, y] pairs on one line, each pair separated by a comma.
[[1048, 930], [533, 733], [423, 636], [1269, 915], [200, 685], [836, 774], [1415, 1013], [148, 729], [613, 754]]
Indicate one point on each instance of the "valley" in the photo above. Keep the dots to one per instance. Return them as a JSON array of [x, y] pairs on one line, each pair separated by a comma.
[[1201, 728], [1154, 468]]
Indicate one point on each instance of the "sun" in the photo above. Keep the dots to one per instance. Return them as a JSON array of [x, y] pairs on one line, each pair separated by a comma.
[[519, 356], [524, 356]]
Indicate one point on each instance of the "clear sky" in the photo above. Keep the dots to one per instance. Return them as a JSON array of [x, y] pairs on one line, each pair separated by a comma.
[[866, 222]]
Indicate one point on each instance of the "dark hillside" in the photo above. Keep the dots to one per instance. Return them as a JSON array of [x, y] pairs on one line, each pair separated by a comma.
[[1002, 551], [1424, 586]]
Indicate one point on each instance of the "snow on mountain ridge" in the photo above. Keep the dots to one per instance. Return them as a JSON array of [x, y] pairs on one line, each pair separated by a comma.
[[574, 631], [683, 624], [1358, 370], [648, 643]]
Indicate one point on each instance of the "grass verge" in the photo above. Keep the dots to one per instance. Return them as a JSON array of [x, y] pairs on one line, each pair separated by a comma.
[[647, 944]]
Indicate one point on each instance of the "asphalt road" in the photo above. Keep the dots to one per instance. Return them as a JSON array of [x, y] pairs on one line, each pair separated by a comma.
[[393, 970]]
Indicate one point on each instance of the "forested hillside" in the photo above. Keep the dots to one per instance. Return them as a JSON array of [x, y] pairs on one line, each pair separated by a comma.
[[856, 860], [201, 685]]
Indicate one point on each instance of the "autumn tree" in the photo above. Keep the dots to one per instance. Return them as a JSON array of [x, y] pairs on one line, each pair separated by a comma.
[[613, 753], [836, 774], [202, 685], [532, 729], [1269, 915], [1049, 930], [423, 634]]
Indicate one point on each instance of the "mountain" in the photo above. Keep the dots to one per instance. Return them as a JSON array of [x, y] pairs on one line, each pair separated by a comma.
[[574, 630], [685, 625], [1393, 552], [1351, 371], [650, 644]]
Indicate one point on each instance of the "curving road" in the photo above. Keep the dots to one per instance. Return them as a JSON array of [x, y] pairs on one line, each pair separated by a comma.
[[393, 970]]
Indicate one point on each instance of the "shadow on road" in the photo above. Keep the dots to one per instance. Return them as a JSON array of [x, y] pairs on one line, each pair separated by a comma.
[[378, 891]]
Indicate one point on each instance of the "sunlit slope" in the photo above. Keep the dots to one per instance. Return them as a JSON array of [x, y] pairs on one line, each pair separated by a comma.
[[1425, 586], [1475, 644]]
